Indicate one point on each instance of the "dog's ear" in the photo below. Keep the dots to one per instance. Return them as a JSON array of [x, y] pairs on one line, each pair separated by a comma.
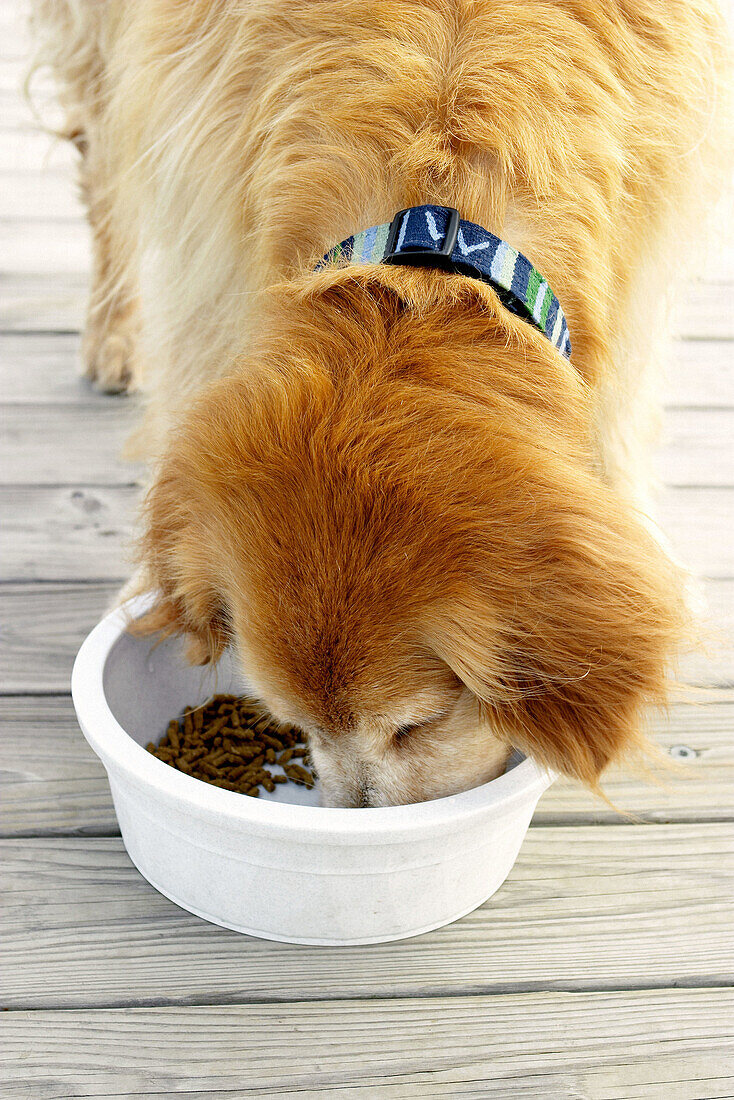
[[568, 644], [179, 561]]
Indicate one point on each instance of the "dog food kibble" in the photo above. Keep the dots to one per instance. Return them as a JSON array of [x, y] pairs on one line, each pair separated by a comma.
[[228, 742]]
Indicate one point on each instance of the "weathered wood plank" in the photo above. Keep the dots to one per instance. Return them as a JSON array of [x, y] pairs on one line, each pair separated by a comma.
[[697, 522], [38, 246], [42, 629], [699, 739], [583, 908], [52, 784], [44, 368], [50, 780], [44, 625], [31, 148], [697, 448], [79, 444], [49, 303], [68, 533], [42, 304], [609, 1046], [700, 374], [704, 312], [39, 196], [14, 31], [78, 532], [602, 1045], [79, 447]]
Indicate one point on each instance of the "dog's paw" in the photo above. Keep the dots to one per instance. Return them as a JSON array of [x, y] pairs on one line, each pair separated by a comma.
[[108, 360]]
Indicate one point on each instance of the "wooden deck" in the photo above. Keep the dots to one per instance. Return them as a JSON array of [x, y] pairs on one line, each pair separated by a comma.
[[602, 969]]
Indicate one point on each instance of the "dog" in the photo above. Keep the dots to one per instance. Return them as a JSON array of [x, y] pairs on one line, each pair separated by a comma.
[[420, 523]]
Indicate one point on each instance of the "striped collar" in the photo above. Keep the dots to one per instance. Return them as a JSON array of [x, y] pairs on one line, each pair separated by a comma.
[[436, 236]]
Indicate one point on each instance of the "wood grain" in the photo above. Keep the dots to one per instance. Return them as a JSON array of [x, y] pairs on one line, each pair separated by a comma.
[[51, 783], [82, 532], [704, 311], [42, 303], [697, 448], [48, 302], [699, 374], [540, 994], [43, 626], [583, 908], [42, 629], [80, 447], [694, 519], [38, 196], [44, 368], [39, 446], [50, 780], [38, 245], [67, 532], [605, 1046]]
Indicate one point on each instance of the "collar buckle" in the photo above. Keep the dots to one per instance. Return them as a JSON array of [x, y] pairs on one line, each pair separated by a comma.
[[430, 255]]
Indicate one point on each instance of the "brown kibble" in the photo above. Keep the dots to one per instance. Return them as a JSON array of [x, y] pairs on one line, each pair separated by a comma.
[[205, 767], [299, 774], [195, 754], [228, 741], [270, 742]]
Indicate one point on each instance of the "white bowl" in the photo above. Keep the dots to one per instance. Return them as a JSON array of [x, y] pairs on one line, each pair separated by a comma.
[[281, 866]]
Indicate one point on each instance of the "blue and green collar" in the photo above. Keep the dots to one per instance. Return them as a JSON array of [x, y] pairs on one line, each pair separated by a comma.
[[436, 236]]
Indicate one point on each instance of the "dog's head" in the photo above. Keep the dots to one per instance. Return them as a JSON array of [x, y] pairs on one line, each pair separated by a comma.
[[391, 513]]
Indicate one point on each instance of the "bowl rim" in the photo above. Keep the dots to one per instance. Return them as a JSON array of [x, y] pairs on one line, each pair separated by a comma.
[[120, 752]]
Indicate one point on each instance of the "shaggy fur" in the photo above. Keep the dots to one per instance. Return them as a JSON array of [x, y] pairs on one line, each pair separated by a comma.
[[412, 517]]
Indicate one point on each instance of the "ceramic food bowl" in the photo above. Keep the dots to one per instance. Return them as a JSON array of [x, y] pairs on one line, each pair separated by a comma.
[[281, 866]]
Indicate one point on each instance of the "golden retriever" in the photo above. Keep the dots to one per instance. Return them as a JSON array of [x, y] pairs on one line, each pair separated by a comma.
[[416, 521]]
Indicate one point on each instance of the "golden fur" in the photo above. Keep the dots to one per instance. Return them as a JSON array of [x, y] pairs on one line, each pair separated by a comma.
[[413, 518]]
